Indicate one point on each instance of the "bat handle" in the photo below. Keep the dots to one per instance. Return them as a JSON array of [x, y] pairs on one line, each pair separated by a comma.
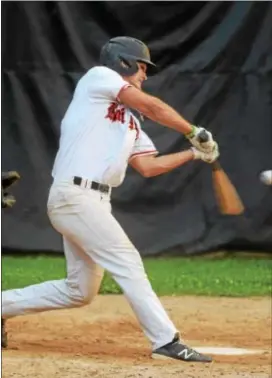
[[216, 166], [203, 137]]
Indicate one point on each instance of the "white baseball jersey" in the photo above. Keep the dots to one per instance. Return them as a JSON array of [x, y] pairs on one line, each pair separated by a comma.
[[99, 134]]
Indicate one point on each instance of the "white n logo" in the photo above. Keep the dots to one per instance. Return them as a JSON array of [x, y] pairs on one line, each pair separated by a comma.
[[186, 353]]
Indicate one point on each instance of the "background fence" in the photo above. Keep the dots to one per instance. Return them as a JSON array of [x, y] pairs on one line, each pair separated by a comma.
[[215, 61]]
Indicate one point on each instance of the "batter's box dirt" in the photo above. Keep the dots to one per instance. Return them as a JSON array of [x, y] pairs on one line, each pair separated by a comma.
[[104, 340]]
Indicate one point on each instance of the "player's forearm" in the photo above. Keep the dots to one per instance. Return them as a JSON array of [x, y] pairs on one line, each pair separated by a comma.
[[165, 115], [154, 109], [167, 163]]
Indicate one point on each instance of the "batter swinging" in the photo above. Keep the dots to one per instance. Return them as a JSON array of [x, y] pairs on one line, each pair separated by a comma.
[[99, 137]]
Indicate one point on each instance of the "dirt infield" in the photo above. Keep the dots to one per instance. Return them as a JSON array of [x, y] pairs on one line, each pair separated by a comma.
[[104, 340]]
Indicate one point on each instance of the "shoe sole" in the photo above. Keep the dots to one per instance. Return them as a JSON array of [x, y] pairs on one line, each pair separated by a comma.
[[156, 356]]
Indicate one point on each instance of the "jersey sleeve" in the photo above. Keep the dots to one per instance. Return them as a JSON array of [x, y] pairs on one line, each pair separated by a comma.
[[106, 83], [143, 146]]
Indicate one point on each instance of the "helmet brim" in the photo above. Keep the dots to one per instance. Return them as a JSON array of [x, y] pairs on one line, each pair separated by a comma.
[[151, 67]]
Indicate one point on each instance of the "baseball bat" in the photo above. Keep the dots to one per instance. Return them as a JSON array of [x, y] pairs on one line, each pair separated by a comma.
[[228, 200]]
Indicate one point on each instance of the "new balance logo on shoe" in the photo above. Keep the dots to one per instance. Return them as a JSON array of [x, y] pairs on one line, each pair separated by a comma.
[[186, 353]]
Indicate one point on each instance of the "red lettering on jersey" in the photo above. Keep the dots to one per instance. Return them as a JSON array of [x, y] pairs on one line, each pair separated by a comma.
[[123, 115], [112, 111], [115, 114], [118, 114], [131, 123], [133, 126]]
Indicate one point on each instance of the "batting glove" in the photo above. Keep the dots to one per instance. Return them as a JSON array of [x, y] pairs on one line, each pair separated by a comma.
[[193, 137], [208, 157]]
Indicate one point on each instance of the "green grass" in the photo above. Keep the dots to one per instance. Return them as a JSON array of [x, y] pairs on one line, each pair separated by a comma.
[[169, 276]]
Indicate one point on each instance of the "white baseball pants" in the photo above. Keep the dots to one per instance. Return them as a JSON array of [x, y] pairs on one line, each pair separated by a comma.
[[93, 241]]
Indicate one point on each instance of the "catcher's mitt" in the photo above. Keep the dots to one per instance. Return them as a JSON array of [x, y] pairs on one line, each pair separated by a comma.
[[8, 179]]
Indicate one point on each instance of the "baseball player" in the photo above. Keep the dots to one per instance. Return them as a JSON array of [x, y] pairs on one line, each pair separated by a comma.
[[100, 136]]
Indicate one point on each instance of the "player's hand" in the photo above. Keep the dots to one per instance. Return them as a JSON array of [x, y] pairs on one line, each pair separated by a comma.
[[208, 157], [193, 137]]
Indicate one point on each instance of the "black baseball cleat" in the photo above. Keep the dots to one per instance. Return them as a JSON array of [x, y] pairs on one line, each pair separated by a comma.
[[179, 351], [4, 338]]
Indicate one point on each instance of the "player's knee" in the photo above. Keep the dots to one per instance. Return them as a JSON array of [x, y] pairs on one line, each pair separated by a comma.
[[81, 300], [80, 296]]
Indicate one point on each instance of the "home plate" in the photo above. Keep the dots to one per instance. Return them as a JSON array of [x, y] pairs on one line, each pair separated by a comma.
[[227, 351]]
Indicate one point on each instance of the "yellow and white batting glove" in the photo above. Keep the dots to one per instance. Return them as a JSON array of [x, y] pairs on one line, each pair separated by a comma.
[[208, 157], [193, 137]]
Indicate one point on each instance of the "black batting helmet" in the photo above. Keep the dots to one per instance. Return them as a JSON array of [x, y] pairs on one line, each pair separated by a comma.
[[121, 54]]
